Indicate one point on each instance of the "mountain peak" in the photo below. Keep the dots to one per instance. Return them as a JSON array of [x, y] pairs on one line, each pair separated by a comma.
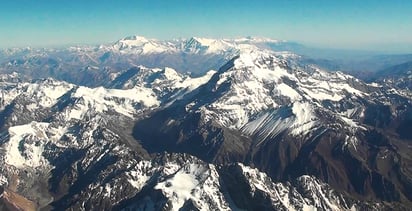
[[252, 39], [136, 38], [208, 45], [203, 41]]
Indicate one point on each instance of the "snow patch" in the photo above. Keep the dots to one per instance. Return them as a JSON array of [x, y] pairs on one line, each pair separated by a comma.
[[245, 60], [179, 187], [25, 146], [288, 91], [193, 83]]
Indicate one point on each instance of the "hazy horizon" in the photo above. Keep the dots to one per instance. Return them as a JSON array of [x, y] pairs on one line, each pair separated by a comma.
[[354, 25]]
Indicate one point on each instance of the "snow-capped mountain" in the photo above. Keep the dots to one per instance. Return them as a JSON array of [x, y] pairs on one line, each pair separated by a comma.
[[266, 110], [260, 132], [258, 90], [142, 45]]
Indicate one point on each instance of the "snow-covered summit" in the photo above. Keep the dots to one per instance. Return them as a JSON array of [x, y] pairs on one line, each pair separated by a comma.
[[142, 45], [136, 38]]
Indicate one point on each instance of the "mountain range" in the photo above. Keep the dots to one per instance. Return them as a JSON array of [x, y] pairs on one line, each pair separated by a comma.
[[199, 124]]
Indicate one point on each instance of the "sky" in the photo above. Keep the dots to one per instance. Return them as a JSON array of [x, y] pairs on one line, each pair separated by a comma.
[[349, 24]]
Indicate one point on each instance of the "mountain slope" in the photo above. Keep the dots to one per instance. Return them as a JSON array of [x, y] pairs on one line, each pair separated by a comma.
[[89, 161], [267, 111]]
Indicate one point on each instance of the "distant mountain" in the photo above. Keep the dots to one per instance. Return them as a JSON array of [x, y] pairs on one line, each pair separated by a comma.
[[399, 76], [195, 55], [362, 64]]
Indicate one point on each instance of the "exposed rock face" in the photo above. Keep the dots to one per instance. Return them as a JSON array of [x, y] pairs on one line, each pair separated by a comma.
[[12, 201]]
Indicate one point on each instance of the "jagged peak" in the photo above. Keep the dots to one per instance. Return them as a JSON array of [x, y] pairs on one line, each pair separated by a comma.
[[250, 56], [202, 41], [208, 45]]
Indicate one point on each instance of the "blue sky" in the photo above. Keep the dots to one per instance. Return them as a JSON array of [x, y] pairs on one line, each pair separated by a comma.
[[354, 24]]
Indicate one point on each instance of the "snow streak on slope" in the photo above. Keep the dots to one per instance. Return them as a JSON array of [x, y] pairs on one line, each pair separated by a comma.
[[298, 119], [305, 118], [269, 125]]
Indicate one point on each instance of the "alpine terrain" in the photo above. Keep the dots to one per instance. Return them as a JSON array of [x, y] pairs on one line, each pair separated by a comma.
[[199, 124]]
